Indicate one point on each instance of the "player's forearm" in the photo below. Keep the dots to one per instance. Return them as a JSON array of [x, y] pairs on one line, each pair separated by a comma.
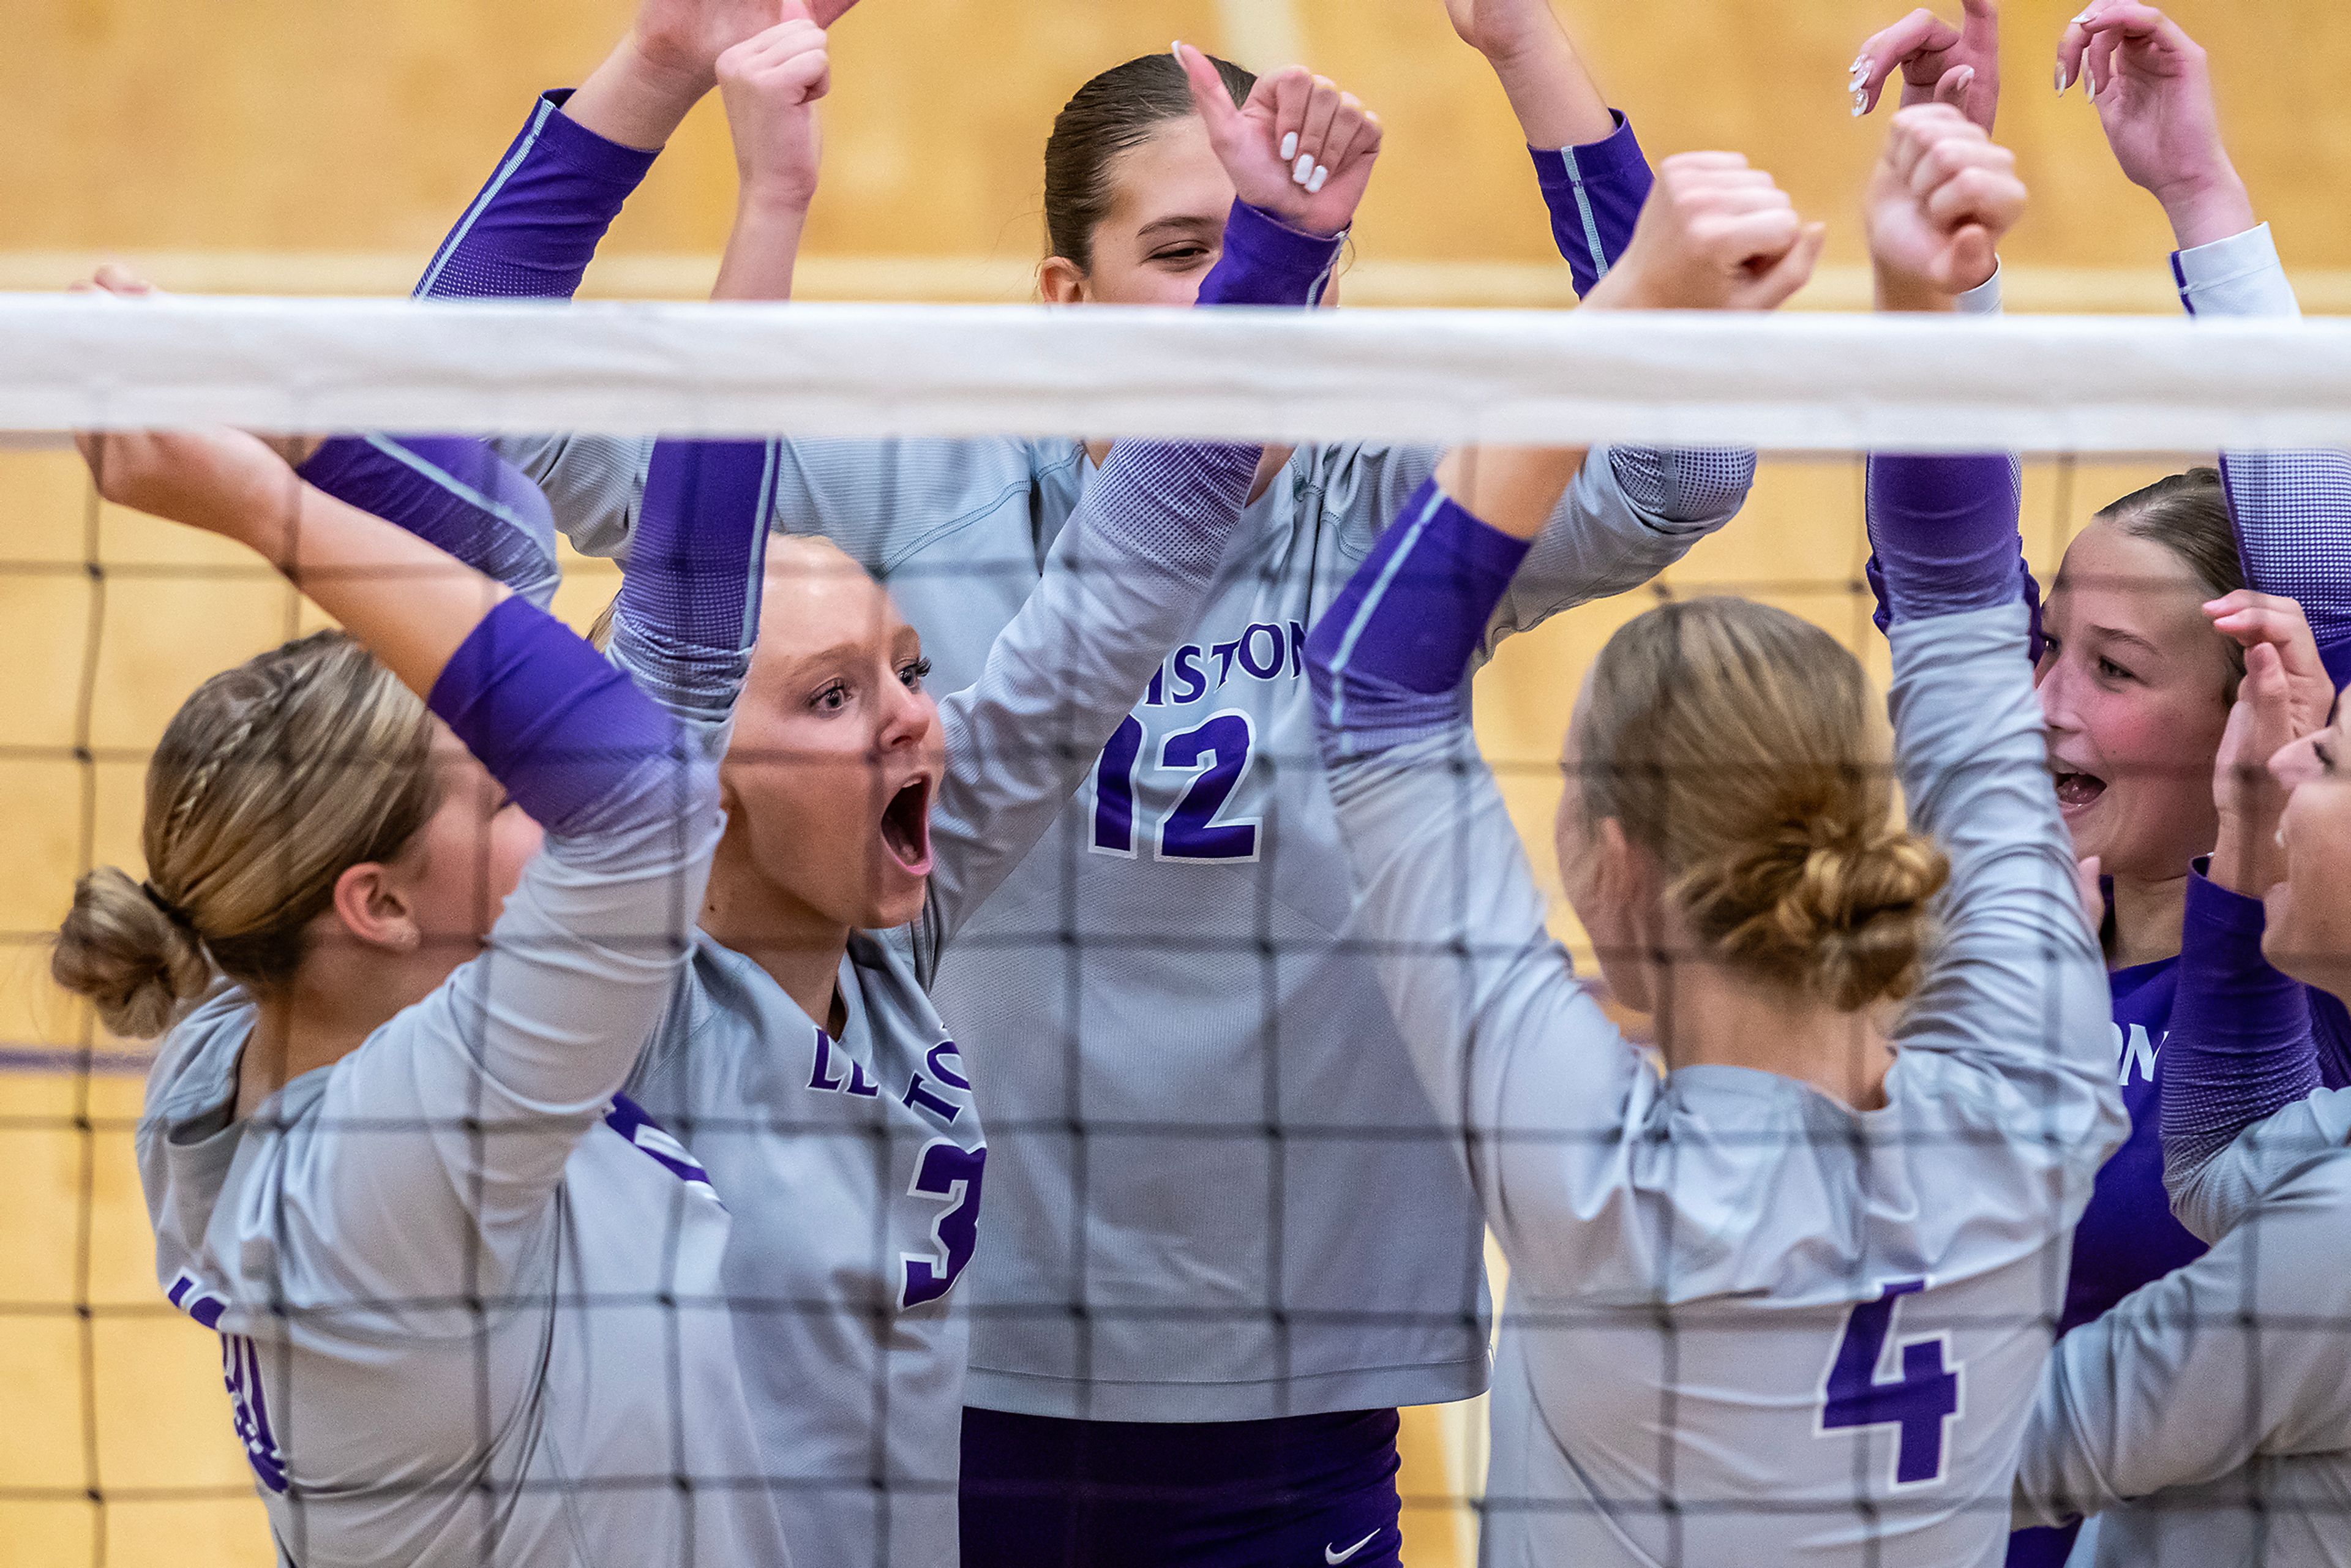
[[1593, 189], [636, 102], [1389, 660], [1515, 489], [1556, 100], [534, 228], [454, 494], [2209, 206], [412, 605], [1943, 532], [2291, 509], [1629, 513], [689, 607], [2240, 1046], [763, 248]]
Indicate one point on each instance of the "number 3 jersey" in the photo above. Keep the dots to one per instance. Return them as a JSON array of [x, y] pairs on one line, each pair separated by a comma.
[[860, 1160]]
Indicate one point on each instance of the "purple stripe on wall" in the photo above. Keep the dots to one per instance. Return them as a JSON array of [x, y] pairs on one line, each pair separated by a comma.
[[17, 1057]]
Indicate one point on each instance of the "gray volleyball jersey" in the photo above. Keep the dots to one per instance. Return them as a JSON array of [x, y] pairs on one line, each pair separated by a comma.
[[1214, 1190], [861, 1159], [866, 1156], [469, 1299], [1747, 1323], [2206, 1419]]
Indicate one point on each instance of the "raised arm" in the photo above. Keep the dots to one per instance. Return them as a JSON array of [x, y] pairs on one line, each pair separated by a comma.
[[2241, 1047], [1939, 200], [2152, 88], [457, 495], [1622, 521], [458, 1116], [688, 611], [1715, 234], [462, 497], [2017, 983], [535, 226], [1592, 172], [1134, 567], [1515, 1053]]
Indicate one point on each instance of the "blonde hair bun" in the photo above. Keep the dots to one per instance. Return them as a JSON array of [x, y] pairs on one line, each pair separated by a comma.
[[1744, 748], [1849, 916], [137, 965]]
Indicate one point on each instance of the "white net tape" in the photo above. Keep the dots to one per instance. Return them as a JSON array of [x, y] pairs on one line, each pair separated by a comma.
[[1797, 383]]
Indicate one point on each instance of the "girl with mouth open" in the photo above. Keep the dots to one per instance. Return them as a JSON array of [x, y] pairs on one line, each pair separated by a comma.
[[2135, 686], [2207, 1418], [801, 1062], [1165, 1368]]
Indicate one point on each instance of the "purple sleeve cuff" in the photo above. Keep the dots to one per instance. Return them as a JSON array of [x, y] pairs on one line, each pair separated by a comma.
[[1595, 192], [456, 494], [1267, 262], [1943, 533], [689, 605], [2335, 653], [535, 227], [551, 720], [2241, 1045], [1389, 660], [2027, 588]]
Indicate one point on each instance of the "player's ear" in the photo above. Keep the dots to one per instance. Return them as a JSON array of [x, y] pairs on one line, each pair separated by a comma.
[[1058, 281], [1623, 874], [372, 902]]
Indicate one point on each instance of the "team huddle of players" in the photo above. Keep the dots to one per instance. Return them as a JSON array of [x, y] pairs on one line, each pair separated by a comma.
[[574, 1059]]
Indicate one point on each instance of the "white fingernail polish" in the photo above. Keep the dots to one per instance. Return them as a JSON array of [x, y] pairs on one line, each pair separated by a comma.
[[2063, 81], [1304, 167], [1860, 103], [1322, 178], [1289, 147]]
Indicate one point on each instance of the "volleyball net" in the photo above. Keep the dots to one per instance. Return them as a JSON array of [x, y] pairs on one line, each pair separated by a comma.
[[124, 1445]]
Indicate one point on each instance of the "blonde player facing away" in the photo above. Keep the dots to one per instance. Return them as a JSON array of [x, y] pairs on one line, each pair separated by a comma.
[[1783, 1302], [385, 1150]]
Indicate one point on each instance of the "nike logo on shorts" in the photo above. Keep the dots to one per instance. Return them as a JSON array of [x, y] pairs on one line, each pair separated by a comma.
[[1332, 1555]]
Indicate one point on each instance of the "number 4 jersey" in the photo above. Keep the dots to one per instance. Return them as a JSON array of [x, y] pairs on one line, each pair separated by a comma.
[[1748, 1322]]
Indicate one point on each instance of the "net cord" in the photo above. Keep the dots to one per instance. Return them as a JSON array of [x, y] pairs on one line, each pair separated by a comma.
[[1789, 383]]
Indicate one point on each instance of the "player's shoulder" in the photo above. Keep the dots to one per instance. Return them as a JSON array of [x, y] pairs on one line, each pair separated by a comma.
[[888, 965], [195, 1064], [2317, 1190]]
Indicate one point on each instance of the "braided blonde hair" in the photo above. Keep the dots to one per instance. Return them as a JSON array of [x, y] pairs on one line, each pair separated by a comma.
[[270, 781]]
